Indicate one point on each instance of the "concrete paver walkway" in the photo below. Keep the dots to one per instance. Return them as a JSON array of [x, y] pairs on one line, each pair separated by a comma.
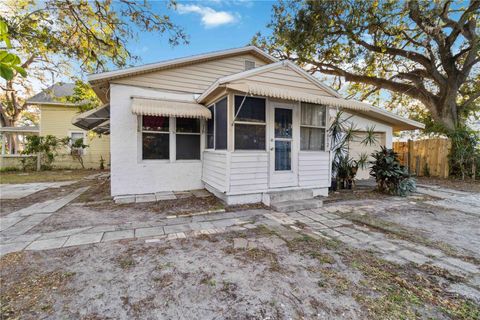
[[17, 191], [170, 229]]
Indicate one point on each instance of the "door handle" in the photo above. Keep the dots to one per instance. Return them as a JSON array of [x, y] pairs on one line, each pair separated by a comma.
[[271, 149]]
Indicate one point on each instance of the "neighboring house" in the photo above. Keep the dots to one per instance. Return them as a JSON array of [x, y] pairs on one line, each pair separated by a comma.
[[56, 116], [13, 143], [237, 122]]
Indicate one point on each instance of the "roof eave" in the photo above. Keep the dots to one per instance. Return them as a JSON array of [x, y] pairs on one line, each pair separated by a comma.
[[93, 78]]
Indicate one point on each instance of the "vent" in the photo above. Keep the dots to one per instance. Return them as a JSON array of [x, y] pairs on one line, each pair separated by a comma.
[[249, 65]]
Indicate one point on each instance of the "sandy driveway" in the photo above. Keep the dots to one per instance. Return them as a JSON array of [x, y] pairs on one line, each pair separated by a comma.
[[373, 258]]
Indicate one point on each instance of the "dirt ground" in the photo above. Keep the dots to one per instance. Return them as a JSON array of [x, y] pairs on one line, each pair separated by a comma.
[[282, 274], [286, 276], [462, 185]]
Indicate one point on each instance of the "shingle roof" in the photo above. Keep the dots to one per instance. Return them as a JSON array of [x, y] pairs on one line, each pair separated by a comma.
[[53, 93]]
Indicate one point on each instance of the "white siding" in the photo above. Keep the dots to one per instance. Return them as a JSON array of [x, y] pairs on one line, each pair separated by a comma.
[[314, 169], [288, 79], [214, 170], [248, 171], [194, 78]]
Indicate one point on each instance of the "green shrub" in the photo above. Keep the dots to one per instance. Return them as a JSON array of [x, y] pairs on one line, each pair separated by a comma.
[[9, 169], [390, 175], [45, 147]]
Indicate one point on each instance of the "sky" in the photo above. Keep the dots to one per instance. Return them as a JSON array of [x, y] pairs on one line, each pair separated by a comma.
[[210, 25]]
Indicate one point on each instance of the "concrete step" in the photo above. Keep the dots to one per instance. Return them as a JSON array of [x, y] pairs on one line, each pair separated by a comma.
[[287, 195], [295, 205]]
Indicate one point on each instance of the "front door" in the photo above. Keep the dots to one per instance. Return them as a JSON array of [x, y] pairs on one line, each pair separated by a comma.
[[282, 145]]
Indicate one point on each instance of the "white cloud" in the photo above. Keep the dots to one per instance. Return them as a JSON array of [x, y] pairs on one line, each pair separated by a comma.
[[210, 17]]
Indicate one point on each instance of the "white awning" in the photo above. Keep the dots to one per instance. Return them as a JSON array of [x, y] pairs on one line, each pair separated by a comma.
[[169, 108], [281, 93], [90, 119]]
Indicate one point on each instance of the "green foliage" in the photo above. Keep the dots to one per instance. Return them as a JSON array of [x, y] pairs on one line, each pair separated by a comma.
[[347, 170], [84, 96], [54, 38], [44, 147], [8, 169], [77, 149], [425, 51], [370, 138], [390, 175], [342, 133], [465, 152], [9, 62]]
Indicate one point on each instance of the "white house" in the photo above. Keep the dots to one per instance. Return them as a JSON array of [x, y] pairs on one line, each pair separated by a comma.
[[237, 122]]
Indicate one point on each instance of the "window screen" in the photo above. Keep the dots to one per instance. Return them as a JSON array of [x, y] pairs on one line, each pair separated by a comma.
[[188, 146], [250, 123], [188, 125], [249, 137], [210, 129], [252, 110], [221, 125]]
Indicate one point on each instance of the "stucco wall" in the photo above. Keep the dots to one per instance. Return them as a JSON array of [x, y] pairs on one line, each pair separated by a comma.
[[129, 173], [57, 121], [385, 135]]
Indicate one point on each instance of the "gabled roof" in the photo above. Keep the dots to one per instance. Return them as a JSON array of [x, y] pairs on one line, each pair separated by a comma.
[[93, 78], [52, 95], [397, 122], [268, 67]]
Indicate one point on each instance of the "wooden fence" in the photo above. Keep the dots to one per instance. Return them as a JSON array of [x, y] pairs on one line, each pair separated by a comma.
[[425, 156]]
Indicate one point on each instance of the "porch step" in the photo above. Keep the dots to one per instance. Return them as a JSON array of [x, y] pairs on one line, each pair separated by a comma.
[[287, 195], [295, 205]]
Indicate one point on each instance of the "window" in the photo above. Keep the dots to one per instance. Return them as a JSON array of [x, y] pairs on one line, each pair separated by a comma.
[[77, 139], [312, 127], [155, 138], [221, 125], [249, 123], [211, 129], [249, 65], [187, 138], [74, 136], [217, 126]]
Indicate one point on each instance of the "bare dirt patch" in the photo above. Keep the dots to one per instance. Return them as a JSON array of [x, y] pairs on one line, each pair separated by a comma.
[[109, 213], [452, 183], [300, 278]]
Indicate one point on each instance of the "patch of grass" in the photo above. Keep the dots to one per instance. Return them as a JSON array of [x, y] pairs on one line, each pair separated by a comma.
[[208, 280], [44, 176], [126, 262], [9, 169]]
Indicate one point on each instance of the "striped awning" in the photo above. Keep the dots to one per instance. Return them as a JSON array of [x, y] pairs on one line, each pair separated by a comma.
[[169, 108], [281, 93]]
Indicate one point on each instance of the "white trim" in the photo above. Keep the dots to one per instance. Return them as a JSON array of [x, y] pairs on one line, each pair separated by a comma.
[[268, 67], [70, 142], [173, 62]]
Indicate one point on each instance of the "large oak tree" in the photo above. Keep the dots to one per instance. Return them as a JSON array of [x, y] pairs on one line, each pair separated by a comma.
[[54, 37], [427, 51]]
